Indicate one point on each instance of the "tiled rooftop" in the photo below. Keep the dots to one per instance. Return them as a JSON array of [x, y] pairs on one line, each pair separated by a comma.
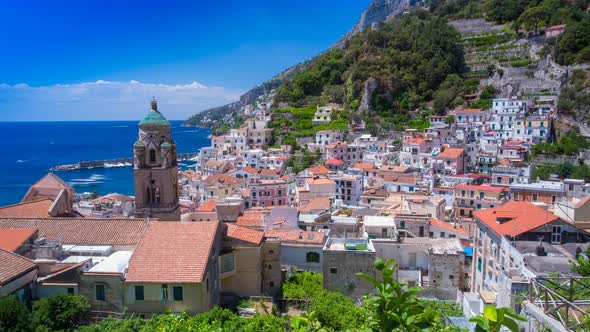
[[173, 252]]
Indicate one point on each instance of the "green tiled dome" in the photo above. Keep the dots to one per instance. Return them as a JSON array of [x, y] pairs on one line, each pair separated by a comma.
[[154, 118]]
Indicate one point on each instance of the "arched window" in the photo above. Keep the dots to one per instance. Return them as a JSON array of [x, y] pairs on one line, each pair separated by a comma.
[[152, 156]]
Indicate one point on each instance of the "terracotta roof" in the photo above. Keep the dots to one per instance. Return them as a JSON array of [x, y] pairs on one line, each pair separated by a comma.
[[223, 179], [483, 187], [269, 172], [402, 179], [173, 252], [50, 180], [447, 226], [318, 170], [11, 239], [414, 140], [376, 192], [318, 203], [296, 236], [13, 266], [251, 219], [244, 234], [556, 27], [335, 162], [83, 231], [335, 144], [249, 170], [520, 217], [207, 207], [397, 169], [30, 209], [315, 181], [451, 153], [364, 166]]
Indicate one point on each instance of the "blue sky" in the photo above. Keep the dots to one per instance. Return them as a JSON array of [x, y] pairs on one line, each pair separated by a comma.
[[103, 60]]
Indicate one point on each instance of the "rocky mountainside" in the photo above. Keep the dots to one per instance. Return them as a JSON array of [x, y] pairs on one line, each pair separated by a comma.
[[377, 12]]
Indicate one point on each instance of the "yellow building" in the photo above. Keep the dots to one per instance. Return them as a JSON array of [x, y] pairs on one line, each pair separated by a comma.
[[174, 268]]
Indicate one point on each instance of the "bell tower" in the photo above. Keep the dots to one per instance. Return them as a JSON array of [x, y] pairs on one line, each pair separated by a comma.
[[155, 170]]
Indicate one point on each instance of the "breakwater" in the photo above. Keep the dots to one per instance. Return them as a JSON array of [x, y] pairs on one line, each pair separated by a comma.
[[107, 163]]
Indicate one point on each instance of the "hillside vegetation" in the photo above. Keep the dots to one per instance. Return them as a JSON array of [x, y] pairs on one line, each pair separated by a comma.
[[406, 59]]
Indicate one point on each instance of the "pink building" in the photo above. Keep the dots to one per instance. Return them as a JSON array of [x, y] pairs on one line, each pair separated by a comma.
[[449, 161], [268, 193]]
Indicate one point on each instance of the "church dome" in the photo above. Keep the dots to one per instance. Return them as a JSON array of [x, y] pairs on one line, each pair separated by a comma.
[[154, 117]]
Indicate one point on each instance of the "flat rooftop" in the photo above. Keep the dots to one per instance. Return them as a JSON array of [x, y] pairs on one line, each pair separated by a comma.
[[115, 263], [339, 244]]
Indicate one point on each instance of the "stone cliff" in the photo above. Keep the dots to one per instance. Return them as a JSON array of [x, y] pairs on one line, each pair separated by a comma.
[[377, 12]]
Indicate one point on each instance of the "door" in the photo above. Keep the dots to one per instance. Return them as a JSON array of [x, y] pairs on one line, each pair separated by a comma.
[[412, 262], [556, 234]]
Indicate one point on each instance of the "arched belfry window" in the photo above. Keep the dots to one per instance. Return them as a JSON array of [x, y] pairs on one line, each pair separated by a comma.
[[152, 156]]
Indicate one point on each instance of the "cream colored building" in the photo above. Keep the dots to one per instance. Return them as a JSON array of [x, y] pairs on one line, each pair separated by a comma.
[[174, 268]]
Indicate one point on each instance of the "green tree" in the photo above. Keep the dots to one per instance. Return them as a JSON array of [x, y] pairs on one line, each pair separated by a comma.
[[493, 319], [14, 315], [582, 264], [533, 18], [306, 323], [394, 306], [60, 312], [303, 285]]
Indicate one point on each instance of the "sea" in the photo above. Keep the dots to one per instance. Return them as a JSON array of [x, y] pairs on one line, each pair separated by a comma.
[[29, 149]]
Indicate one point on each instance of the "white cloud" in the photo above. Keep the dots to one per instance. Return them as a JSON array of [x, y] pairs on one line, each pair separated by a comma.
[[105, 100]]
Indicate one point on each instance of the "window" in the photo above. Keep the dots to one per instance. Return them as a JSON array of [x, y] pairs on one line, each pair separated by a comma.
[[152, 156], [312, 257], [177, 293], [138, 293], [207, 282], [479, 264], [430, 234], [100, 293], [227, 263], [535, 197], [164, 292], [334, 270], [442, 234], [421, 231], [71, 290], [402, 224]]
